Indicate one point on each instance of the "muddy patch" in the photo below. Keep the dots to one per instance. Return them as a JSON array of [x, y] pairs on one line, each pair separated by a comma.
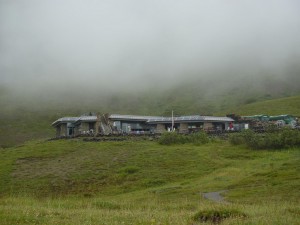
[[215, 196]]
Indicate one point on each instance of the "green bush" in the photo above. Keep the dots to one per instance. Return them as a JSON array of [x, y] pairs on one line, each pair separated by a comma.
[[170, 138], [130, 169], [106, 205], [198, 138], [240, 138], [217, 215], [283, 138]]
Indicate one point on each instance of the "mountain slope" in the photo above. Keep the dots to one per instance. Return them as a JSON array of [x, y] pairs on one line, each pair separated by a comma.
[[289, 105], [27, 117], [142, 182]]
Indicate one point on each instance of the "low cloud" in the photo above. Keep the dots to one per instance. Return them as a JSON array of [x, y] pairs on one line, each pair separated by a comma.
[[112, 46]]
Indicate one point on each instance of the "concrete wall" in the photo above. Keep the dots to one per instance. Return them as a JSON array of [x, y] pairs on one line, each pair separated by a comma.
[[61, 130], [76, 130], [207, 126], [160, 128], [58, 131], [97, 125], [183, 128], [83, 127]]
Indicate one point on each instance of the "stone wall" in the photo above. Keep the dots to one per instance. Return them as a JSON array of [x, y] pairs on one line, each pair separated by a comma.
[[63, 130], [58, 131], [83, 127], [160, 128], [207, 126], [183, 128]]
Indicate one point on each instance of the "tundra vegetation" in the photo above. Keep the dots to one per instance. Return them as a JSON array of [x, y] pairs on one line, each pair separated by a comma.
[[29, 117], [147, 58], [145, 182], [271, 139]]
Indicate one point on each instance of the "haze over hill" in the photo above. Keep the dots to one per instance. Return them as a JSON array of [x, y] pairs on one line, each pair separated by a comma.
[[77, 48], [60, 58]]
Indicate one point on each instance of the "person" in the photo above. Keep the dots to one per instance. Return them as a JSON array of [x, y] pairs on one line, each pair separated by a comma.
[[230, 126]]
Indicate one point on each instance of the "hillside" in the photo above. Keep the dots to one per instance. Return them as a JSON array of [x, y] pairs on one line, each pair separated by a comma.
[[142, 182], [289, 105], [28, 117]]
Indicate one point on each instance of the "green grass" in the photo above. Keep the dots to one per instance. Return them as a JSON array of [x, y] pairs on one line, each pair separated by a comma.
[[143, 182], [28, 117], [289, 105]]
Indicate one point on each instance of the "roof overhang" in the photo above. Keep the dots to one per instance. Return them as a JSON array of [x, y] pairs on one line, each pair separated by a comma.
[[64, 120], [86, 119], [192, 119], [135, 118]]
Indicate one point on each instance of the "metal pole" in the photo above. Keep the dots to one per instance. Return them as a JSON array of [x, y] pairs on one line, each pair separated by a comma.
[[172, 121]]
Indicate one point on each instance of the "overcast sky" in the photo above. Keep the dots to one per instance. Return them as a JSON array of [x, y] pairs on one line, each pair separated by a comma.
[[133, 43]]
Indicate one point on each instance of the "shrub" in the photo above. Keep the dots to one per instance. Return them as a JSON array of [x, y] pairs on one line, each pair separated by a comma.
[[279, 139], [153, 183], [170, 138], [130, 169], [217, 215], [106, 205], [175, 138], [242, 137], [198, 138]]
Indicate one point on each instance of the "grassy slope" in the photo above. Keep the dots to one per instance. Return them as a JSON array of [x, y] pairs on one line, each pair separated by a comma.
[[145, 183], [289, 105], [29, 118]]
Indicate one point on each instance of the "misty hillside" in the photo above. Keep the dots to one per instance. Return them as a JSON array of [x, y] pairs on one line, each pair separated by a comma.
[[141, 57], [29, 117], [288, 105]]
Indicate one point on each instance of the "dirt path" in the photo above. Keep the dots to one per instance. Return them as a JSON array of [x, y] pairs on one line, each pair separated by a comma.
[[214, 196]]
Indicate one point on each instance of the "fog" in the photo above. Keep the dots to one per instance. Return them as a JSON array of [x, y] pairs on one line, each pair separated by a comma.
[[78, 46]]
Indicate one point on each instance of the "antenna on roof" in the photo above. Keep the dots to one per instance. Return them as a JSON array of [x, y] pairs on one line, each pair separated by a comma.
[[172, 121]]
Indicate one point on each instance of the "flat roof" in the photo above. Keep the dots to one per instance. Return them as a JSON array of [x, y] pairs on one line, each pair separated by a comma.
[[133, 117], [147, 119], [65, 120], [191, 119], [74, 119]]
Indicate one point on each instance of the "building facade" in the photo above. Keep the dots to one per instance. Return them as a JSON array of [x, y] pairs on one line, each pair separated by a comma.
[[134, 124]]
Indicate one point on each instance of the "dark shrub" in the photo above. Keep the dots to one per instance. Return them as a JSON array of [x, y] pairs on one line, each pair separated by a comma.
[[175, 138], [130, 169], [198, 138], [246, 136], [272, 139], [217, 215], [170, 138], [106, 205]]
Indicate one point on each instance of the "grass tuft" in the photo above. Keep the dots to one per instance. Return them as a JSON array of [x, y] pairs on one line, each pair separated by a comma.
[[106, 205], [217, 215], [172, 138]]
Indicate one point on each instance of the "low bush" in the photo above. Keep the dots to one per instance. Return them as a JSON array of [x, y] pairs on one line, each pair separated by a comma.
[[153, 182], [283, 138], [170, 138], [130, 170], [217, 215], [106, 205], [198, 138]]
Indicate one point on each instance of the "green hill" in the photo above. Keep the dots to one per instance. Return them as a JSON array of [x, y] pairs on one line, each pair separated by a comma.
[[289, 105], [142, 182], [28, 117]]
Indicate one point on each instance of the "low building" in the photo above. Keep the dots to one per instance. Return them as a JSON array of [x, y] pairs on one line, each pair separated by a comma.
[[134, 124], [65, 126]]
